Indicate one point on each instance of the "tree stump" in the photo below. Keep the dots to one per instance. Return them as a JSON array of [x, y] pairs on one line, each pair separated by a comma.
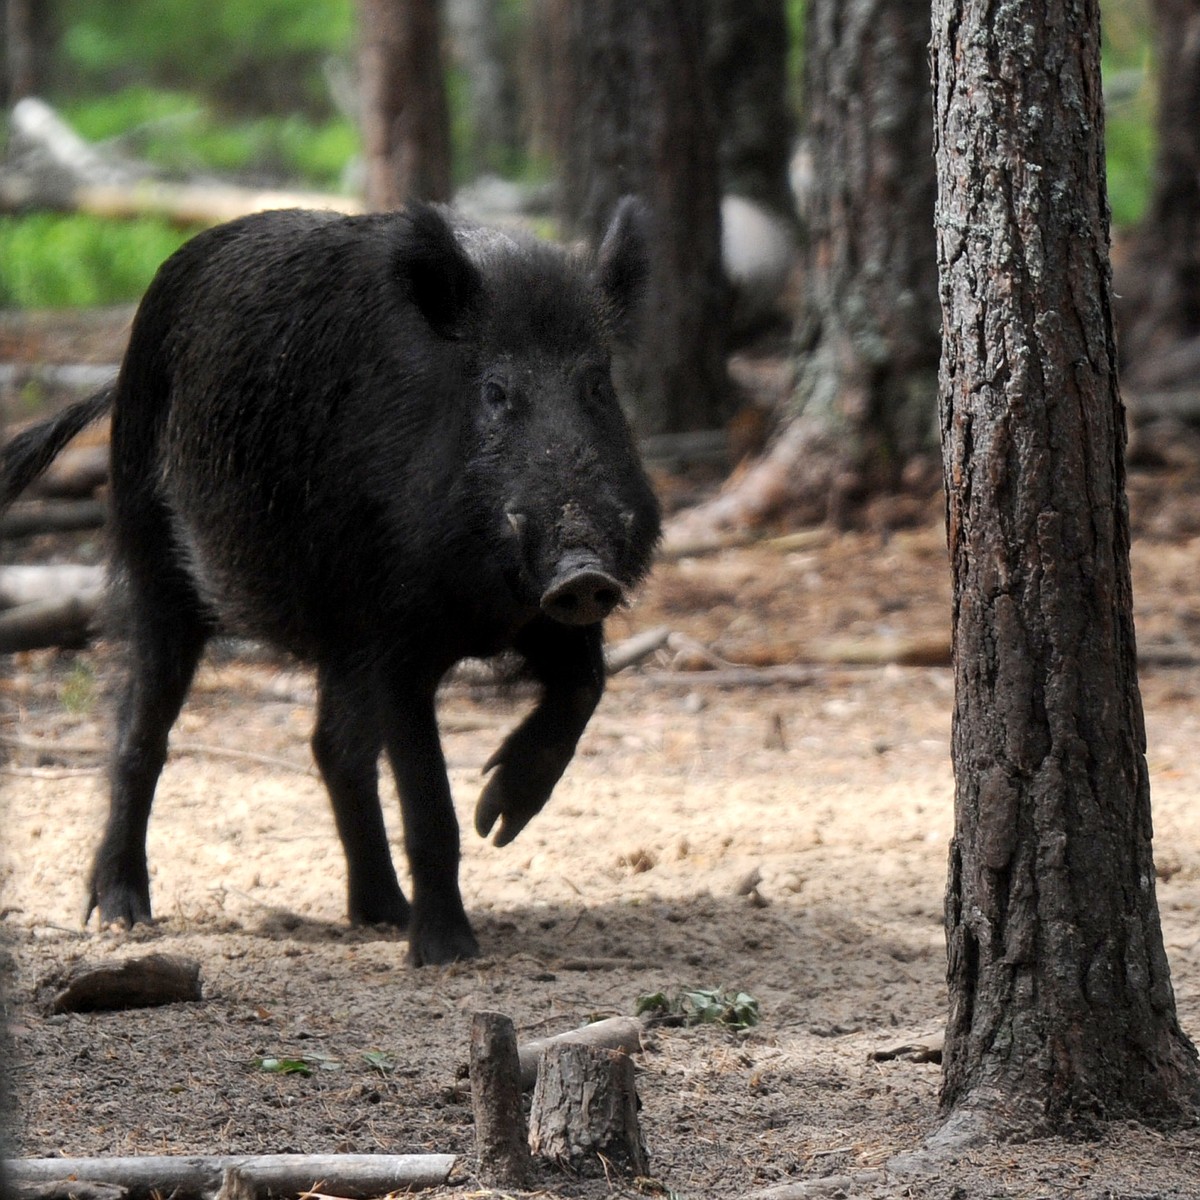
[[496, 1099], [585, 1111]]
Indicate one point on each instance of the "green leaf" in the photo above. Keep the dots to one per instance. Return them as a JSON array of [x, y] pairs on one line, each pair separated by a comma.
[[380, 1060]]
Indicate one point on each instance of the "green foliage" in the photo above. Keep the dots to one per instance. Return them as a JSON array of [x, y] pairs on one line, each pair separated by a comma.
[[48, 260], [703, 1006], [303, 1064], [79, 689], [1129, 101], [215, 45]]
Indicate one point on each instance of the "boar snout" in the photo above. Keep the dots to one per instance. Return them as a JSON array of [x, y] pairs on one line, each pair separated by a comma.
[[581, 595]]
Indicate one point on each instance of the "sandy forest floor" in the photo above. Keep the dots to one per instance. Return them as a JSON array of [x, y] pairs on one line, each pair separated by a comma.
[[833, 795]]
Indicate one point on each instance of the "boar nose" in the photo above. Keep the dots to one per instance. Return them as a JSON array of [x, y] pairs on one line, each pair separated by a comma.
[[581, 596]]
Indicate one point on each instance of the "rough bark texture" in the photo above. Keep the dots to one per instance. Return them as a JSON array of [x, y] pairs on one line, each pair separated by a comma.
[[1061, 1007], [867, 336], [405, 121], [639, 119], [500, 1134], [1163, 301], [585, 1111]]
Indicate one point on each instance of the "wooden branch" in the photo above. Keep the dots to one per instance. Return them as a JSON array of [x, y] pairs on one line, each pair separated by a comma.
[[51, 516], [616, 1033], [44, 623], [500, 1134], [48, 581], [354, 1176], [733, 677], [635, 649]]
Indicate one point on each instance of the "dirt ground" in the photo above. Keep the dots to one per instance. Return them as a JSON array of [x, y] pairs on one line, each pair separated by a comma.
[[785, 839], [833, 792]]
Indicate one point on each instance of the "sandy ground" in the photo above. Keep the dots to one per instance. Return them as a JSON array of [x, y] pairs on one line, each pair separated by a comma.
[[832, 796]]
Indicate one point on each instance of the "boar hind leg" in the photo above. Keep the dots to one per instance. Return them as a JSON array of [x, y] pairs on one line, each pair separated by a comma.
[[439, 931], [569, 663], [346, 745], [167, 638]]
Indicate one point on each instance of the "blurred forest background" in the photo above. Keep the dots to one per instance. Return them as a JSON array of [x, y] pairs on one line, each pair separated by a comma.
[[264, 92]]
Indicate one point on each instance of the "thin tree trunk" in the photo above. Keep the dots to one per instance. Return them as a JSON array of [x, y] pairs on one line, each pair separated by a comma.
[[867, 337], [405, 121], [640, 119], [1061, 1007], [1162, 299]]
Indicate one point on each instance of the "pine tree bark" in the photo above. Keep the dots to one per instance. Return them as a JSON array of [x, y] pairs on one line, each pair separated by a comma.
[[1061, 1006], [405, 118], [639, 118], [867, 336], [1162, 292]]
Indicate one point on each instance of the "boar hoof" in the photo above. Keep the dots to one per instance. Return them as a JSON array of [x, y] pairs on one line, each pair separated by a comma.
[[119, 904], [430, 944]]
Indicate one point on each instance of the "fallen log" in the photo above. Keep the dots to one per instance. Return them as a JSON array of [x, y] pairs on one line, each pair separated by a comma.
[[354, 1176], [66, 622], [76, 474], [51, 581], [32, 517]]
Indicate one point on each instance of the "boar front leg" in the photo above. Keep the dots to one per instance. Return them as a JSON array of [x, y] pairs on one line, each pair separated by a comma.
[[569, 663]]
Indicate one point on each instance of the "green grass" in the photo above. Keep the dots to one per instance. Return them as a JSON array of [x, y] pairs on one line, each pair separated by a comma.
[[51, 260]]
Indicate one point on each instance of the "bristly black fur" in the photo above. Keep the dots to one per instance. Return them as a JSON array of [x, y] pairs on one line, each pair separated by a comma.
[[383, 443], [25, 457]]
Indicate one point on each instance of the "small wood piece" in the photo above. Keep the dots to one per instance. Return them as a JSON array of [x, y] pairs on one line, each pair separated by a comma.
[[500, 1134], [585, 1111], [615, 1033], [353, 1176], [142, 982]]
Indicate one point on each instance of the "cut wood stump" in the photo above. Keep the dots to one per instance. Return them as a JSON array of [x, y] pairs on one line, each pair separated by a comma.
[[585, 1112], [500, 1137]]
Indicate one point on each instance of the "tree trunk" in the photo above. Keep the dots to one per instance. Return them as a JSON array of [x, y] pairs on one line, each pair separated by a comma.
[[1061, 1007], [640, 119], [484, 57], [867, 337], [1162, 299], [405, 121], [747, 55], [29, 32]]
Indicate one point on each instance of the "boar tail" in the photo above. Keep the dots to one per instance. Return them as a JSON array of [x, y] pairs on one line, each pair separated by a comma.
[[27, 455]]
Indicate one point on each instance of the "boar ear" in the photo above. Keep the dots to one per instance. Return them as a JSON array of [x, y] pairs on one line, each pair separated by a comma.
[[435, 272], [623, 264]]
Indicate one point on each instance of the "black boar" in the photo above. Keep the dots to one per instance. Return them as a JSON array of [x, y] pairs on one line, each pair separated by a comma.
[[384, 444]]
